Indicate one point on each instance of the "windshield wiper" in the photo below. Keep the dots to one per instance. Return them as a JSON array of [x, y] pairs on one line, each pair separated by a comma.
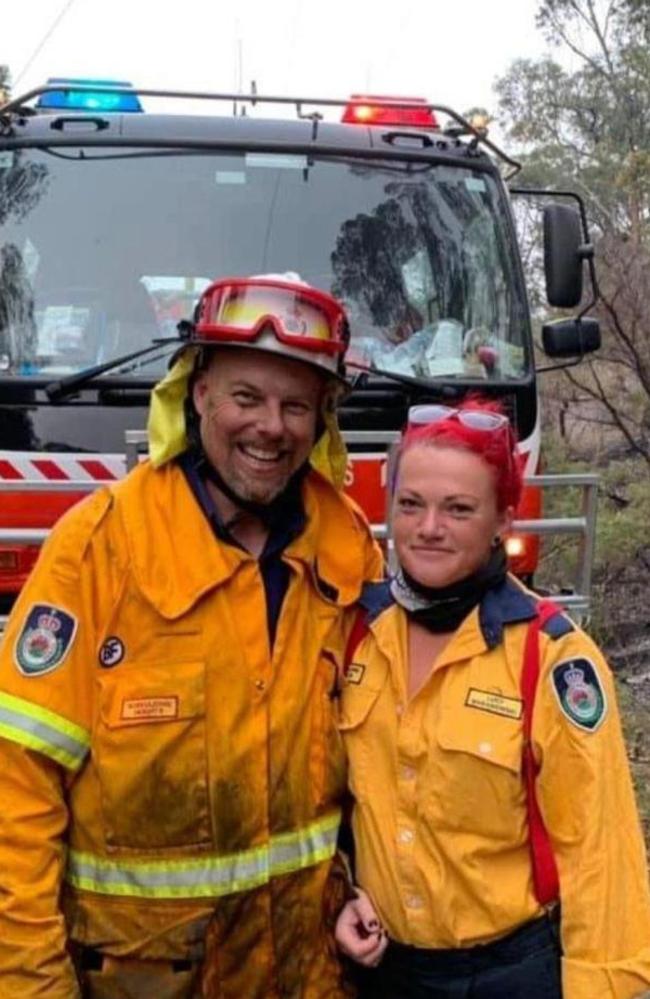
[[395, 376], [56, 391]]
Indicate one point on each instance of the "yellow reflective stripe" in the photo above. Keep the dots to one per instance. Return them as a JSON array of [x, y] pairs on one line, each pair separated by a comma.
[[206, 877], [43, 730]]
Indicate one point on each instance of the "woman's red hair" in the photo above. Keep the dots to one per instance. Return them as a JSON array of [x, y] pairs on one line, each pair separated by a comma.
[[498, 448]]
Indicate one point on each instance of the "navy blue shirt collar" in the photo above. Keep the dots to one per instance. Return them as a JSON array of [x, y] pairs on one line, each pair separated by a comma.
[[274, 571], [505, 604]]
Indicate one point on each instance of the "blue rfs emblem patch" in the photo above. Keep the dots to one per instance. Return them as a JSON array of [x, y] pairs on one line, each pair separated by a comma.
[[580, 693], [46, 637]]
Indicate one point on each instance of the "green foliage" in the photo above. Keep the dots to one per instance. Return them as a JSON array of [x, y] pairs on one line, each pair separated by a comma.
[[588, 124], [623, 508], [623, 516], [581, 121], [622, 558]]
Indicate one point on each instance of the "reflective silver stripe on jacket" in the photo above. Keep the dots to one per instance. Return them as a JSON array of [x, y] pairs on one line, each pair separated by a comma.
[[38, 728], [206, 876]]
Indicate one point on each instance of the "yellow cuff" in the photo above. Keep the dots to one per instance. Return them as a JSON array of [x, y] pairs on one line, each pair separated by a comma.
[[625, 979]]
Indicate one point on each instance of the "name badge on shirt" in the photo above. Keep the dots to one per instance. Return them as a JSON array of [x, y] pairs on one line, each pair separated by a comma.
[[354, 672], [496, 704], [149, 708]]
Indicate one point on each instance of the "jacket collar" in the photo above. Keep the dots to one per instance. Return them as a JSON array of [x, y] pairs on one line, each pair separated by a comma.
[[176, 558], [506, 604], [335, 543]]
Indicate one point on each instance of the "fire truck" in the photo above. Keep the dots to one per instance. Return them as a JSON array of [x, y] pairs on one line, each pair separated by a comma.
[[113, 219]]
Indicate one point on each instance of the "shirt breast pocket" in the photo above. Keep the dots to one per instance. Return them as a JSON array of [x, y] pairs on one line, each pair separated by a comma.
[[150, 755], [476, 781]]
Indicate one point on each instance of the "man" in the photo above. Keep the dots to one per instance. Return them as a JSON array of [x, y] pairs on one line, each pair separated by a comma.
[[170, 764]]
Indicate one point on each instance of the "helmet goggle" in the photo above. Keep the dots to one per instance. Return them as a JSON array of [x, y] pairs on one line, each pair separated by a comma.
[[301, 317]]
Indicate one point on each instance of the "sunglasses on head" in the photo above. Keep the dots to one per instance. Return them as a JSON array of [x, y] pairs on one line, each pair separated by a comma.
[[474, 419]]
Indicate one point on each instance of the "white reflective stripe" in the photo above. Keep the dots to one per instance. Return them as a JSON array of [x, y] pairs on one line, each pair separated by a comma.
[[43, 730], [206, 877]]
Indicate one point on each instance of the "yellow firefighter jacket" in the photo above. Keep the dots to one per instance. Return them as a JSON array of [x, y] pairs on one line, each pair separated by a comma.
[[440, 819], [169, 785]]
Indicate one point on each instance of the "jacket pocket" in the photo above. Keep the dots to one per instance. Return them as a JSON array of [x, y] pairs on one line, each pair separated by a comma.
[[150, 755], [356, 705]]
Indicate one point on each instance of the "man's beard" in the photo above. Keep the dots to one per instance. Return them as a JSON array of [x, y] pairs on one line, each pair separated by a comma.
[[269, 505], [250, 492]]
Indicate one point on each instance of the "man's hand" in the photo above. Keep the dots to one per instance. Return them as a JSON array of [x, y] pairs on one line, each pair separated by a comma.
[[358, 933]]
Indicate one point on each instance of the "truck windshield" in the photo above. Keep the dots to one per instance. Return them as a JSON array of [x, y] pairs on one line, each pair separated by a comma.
[[103, 251]]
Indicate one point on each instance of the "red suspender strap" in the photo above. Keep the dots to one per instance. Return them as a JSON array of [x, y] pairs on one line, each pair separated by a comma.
[[545, 877]]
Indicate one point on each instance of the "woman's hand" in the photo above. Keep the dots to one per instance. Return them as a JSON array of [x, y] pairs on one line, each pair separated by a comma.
[[358, 933]]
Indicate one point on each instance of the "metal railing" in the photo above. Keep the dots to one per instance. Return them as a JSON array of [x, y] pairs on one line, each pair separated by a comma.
[[583, 525]]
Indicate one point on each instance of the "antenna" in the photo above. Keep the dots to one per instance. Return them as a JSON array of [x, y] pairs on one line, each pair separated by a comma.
[[240, 64], [239, 59]]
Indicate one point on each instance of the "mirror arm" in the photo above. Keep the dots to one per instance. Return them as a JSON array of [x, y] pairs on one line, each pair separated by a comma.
[[560, 367]]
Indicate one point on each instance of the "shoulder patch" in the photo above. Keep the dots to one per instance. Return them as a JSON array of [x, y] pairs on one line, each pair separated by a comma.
[[580, 693], [558, 626], [45, 639]]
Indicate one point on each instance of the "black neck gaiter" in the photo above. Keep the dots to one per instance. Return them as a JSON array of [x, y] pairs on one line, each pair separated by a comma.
[[442, 610]]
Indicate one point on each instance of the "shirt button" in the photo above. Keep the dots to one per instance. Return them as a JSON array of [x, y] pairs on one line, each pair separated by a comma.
[[414, 902], [407, 773], [399, 710], [260, 685], [406, 836], [485, 748]]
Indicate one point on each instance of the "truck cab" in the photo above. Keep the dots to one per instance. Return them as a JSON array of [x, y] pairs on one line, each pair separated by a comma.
[[113, 220]]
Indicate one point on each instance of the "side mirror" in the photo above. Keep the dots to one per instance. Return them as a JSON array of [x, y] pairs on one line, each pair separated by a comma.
[[571, 337], [563, 255]]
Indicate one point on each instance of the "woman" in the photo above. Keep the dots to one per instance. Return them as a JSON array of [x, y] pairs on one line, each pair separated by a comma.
[[448, 830]]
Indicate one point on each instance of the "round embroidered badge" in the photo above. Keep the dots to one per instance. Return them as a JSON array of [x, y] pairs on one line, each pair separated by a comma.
[[580, 693], [43, 643]]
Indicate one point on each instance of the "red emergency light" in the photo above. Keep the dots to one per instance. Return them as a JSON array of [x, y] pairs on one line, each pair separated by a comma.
[[412, 112]]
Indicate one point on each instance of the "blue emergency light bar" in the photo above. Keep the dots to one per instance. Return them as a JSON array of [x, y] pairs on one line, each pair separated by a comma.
[[79, 95]]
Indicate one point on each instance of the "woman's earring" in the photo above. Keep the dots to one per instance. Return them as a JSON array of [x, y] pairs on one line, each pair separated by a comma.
[[496, 540]]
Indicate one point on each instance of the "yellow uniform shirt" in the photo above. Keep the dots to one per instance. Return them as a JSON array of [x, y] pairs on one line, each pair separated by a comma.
[[170, 784], [440, 819]]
